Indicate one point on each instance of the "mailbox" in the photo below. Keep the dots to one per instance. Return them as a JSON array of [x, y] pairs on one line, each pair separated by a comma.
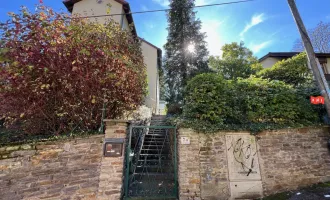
[[113, 147]]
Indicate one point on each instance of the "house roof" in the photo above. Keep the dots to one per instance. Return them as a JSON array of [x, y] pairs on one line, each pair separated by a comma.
[[285, 55], [70, 3], [149, 43]]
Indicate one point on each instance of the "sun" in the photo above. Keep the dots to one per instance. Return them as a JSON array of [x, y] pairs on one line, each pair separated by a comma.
[[191, 48]]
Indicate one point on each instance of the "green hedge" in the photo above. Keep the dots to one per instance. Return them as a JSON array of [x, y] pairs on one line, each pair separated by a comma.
[[293, 71], [212, 103]]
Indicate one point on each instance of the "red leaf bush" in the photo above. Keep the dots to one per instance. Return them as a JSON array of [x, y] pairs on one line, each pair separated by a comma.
[[56, 74]]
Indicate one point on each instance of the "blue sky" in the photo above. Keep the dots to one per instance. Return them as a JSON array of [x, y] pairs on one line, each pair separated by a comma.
[[264, 25]]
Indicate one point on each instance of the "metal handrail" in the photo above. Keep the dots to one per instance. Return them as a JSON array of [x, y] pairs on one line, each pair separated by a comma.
[[131, 164]]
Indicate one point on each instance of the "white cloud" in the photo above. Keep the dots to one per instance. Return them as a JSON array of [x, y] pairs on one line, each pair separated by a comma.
[[213, 36], [274, 33], [163, 3], [166, 3], [203, 2], [256, 19], [258, 47], [149, 25], [144, 8]]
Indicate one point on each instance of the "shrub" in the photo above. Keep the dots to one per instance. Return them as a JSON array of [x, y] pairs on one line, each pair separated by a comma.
[[293, 71], [142, 113], [59, 73], [206, 98], [213, 103], [273, 102], [174, 109]]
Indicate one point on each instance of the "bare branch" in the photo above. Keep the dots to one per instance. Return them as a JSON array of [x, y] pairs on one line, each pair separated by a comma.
[[320, 37]]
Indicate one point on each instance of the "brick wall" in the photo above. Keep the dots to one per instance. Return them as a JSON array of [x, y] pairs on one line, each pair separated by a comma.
[[76, 169], [293, 158], [213, 167], [288, 159], [189, 166], [111, 176], [58, 170], [202, 166]]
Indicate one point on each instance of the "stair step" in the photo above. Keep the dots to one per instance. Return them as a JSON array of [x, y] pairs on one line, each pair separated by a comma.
[[158, 139], [163, 117], [155, 147], [155, 137], [155, 152], [148, 166], [156, 134], [155, 140], [159, 149], [155, 160], [155, 174], [155, 168], [159, 143], [157, 131]]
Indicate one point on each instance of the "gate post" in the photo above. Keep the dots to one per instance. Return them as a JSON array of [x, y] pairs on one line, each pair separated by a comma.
[[111, 169]]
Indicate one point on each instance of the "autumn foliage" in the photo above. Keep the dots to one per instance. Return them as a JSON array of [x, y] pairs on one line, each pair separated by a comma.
[[56, 73]]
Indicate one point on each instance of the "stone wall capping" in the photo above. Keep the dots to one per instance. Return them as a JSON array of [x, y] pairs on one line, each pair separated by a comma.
[[111, 122]]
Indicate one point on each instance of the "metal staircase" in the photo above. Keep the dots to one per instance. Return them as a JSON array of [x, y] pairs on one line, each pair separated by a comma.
[[151, 171]]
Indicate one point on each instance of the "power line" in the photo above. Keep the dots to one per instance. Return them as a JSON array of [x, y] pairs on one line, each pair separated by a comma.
[[168, 9], [147, 11]]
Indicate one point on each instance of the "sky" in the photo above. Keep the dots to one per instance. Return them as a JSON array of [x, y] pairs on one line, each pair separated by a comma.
[[263, 25]]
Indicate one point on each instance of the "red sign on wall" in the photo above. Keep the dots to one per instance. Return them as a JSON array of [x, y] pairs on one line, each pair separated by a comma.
[[317, 100]]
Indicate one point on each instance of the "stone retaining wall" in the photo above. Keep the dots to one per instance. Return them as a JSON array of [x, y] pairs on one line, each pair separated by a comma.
[[293, 158], [272, 162], [211, 166], [57, 170]]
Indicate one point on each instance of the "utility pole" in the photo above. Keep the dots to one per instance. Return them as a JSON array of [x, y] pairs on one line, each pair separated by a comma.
[[314, 63]]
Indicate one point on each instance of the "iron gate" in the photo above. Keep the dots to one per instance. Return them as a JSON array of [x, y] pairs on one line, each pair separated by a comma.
[[151, 163]]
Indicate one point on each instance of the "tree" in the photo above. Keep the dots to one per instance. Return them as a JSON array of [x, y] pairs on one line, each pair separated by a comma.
[[60, 72], [162, 87], [185, 51], [293, 71], [237, 61], [320, 38]]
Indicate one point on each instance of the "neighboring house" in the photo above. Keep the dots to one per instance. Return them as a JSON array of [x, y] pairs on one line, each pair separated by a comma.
[[152, 54], [273, 57]]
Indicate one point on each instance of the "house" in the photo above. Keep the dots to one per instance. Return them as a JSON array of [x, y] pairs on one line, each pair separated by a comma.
[[119, 11], [271, 58]]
